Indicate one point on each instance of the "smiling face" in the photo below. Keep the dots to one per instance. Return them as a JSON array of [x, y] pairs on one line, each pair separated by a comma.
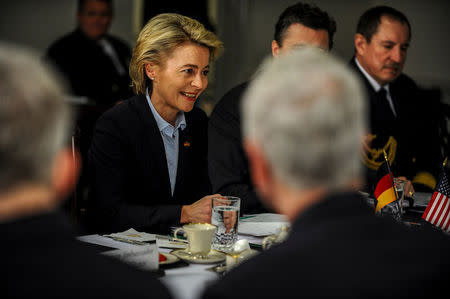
[[384, 57], [180, 80], [94, 18], [298, 35]]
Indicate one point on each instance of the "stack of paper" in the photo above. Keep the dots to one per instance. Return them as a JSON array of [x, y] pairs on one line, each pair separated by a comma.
[[133, 235], [262, 224]]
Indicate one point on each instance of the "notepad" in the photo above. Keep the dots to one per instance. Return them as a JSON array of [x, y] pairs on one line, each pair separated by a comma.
[[264, 224]]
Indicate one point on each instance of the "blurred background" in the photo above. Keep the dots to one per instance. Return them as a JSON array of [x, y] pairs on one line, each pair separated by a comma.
[[246, 28]]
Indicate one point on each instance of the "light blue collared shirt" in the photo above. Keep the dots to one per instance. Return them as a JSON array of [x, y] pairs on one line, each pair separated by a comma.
[[377, 86], [170, 137]]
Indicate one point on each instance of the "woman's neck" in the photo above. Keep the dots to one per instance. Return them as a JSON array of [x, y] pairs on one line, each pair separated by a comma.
[[167, 113]]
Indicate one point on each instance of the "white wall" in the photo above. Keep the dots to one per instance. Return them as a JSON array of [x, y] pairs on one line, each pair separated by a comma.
[[247, 27], [38, 23]]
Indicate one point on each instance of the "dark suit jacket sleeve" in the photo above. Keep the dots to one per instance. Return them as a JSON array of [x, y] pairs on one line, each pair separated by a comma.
[[423, 141], [227, 161], [415, 130], [113, 185]]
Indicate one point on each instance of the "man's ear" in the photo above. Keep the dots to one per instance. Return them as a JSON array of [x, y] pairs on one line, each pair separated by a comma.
[[275, 48], [360, 44], [260, 170], [65, 171]]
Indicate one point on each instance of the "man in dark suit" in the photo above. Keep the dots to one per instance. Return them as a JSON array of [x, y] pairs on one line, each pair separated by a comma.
[[303, 143], [39, 256], [400, 122], [300, 24], [95, 64]]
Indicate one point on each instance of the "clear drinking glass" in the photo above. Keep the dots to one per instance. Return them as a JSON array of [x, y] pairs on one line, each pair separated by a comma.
[[399, 185], [225, 216]]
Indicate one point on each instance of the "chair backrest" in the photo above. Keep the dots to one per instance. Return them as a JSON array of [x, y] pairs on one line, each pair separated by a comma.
[[77, 202]]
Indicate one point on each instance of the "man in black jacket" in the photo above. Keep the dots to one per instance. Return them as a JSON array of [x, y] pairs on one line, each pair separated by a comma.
[[303, 144], [400, 121], [40, 256], [300, 24], [95, 64]]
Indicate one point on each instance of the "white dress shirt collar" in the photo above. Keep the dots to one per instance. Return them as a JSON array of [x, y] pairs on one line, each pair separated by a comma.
[[371, 80], [377, 86]]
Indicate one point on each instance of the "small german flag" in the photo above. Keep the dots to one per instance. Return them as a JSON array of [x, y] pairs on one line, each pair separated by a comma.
[[187, 144], [384, 190]]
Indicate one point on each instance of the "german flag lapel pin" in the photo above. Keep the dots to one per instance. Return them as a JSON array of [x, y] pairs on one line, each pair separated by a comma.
[[187, 144]]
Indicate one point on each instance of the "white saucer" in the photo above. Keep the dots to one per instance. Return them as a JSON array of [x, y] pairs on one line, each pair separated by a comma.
[[213, 256], [170, 259]]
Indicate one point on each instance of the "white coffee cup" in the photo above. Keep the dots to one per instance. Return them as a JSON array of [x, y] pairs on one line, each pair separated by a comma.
[[200, 236]]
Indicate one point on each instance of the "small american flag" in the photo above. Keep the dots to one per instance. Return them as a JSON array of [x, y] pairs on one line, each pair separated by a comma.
[[438, 210]]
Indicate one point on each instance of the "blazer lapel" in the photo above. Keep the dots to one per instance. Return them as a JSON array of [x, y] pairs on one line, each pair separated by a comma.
[[395, 99], [154, 155], [381, 115], [184, 145]]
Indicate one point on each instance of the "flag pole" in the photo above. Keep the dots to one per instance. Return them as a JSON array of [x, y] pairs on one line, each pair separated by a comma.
[[390, 174]]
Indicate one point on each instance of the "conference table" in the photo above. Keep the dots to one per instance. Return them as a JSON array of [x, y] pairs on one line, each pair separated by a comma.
[[188, 280], [184, 279]]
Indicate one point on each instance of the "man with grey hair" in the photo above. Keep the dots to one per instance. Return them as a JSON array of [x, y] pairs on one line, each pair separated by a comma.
[[39, 256], [303, 143]]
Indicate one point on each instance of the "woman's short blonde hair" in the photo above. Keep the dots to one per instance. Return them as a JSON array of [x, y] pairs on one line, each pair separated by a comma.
[[160, 37]]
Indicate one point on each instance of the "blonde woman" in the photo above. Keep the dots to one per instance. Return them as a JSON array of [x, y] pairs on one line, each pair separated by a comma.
[[148, 156]]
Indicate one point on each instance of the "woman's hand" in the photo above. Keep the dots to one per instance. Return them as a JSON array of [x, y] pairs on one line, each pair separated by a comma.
[[199, 211]]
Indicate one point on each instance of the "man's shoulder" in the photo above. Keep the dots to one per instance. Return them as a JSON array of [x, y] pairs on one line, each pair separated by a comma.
[[73, 40], [66, 42], [233, 97], [196, 118], [404, 81], [54, 236], [197, 113], [406, 91], [230, 102], [226, 117]]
